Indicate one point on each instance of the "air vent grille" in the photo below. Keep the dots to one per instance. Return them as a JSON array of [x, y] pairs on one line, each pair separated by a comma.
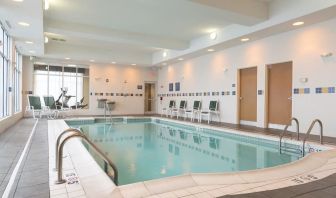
[[58, 39]]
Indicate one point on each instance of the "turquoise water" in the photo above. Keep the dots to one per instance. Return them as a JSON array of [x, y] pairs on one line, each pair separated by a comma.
[[145, 150]]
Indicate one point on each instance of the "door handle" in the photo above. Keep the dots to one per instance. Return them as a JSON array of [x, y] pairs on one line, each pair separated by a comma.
[[290, 98], [240, 98]]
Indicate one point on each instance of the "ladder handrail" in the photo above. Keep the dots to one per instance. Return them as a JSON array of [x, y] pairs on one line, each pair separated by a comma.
[[308, 133], [60, 179], [286, 129], [58, 141]]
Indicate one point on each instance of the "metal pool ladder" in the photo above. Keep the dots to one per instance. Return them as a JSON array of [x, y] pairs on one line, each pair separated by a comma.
[[286, 130], [308, 133], [59, 154]]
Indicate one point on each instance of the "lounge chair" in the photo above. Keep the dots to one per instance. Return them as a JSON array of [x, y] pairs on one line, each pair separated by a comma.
[[213, 110], [195, 111], [169, 109], [35, 106], [181, 109], [51, 105]]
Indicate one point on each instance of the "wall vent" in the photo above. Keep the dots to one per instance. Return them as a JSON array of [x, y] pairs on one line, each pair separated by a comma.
[[58, 39]]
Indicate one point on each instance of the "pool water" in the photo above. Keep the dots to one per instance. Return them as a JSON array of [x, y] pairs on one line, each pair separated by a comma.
[[144, 150]]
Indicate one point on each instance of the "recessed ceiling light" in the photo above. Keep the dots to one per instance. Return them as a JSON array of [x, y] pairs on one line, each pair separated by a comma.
[[72, 65], [298, 23], [24, 24], [180, 59], [114, 62], [213, 35], [32, 51], [92, 60], [67, 58], [164, 54], [29, 42], [211, 50], [46, 39], [18, 0], [244, 39], [46, 4], [133, 64]]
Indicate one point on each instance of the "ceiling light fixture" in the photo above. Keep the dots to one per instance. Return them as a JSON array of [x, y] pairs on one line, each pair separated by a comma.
[[24, 24], [18, 0], [92, 60], [29, 42], [46, 5], [67, 58], [133, 64], [211, 50], [32, 51], [180, 59], [72, 65], [244, 39], [298, 23], [46, 39], [114, 62], [164, 54], [213, 35]]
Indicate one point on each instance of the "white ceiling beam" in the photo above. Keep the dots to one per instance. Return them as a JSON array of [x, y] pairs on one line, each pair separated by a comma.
[[87, 32], [243, 12]]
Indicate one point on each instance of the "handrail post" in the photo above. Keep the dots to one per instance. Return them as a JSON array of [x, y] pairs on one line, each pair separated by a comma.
[[286, 129], [58, 141], [309, 131], [60, 179]]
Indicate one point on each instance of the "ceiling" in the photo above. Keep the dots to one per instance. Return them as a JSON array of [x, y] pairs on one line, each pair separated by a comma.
[[124, 31]]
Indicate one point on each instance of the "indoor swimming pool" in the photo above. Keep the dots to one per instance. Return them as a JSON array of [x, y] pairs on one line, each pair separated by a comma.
[[146, 149]]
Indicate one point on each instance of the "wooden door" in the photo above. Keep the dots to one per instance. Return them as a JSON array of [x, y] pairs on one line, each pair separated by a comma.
[[149, 97], [248, 94], [279, 93]]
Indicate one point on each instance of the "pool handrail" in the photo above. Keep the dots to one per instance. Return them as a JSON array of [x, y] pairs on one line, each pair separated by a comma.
[[286, 130], [308, 133], [58, 141], [77, 133]]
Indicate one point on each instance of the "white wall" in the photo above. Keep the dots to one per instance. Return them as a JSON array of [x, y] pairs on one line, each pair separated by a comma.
[[303, 46], [117, 76]]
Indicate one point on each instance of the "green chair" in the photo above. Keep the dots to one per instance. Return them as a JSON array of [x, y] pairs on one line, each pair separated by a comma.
[[49, 102], [34, 105], [195, 111], [169, 109], [213, 110], [180, 110]]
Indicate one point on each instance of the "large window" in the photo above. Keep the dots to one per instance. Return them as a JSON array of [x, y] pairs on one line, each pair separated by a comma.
[[51, 80], [4, 72], [10, 75]]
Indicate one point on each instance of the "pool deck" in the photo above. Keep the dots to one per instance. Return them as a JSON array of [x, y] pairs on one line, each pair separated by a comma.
[[310, 177]]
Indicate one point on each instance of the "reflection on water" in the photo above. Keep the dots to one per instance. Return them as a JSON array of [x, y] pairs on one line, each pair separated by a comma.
[[149, 150]]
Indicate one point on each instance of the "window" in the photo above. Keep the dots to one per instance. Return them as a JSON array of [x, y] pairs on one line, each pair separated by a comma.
[[17, 81], [50, 80], [4, 72], [10, 75]]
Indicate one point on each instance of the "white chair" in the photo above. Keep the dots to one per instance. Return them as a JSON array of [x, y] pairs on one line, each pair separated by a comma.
[[181, 110], [213, 110], [169, 109], [195, 111]]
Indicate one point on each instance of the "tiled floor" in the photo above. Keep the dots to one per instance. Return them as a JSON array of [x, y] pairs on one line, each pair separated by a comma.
[[33, 177], [324, 188]]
